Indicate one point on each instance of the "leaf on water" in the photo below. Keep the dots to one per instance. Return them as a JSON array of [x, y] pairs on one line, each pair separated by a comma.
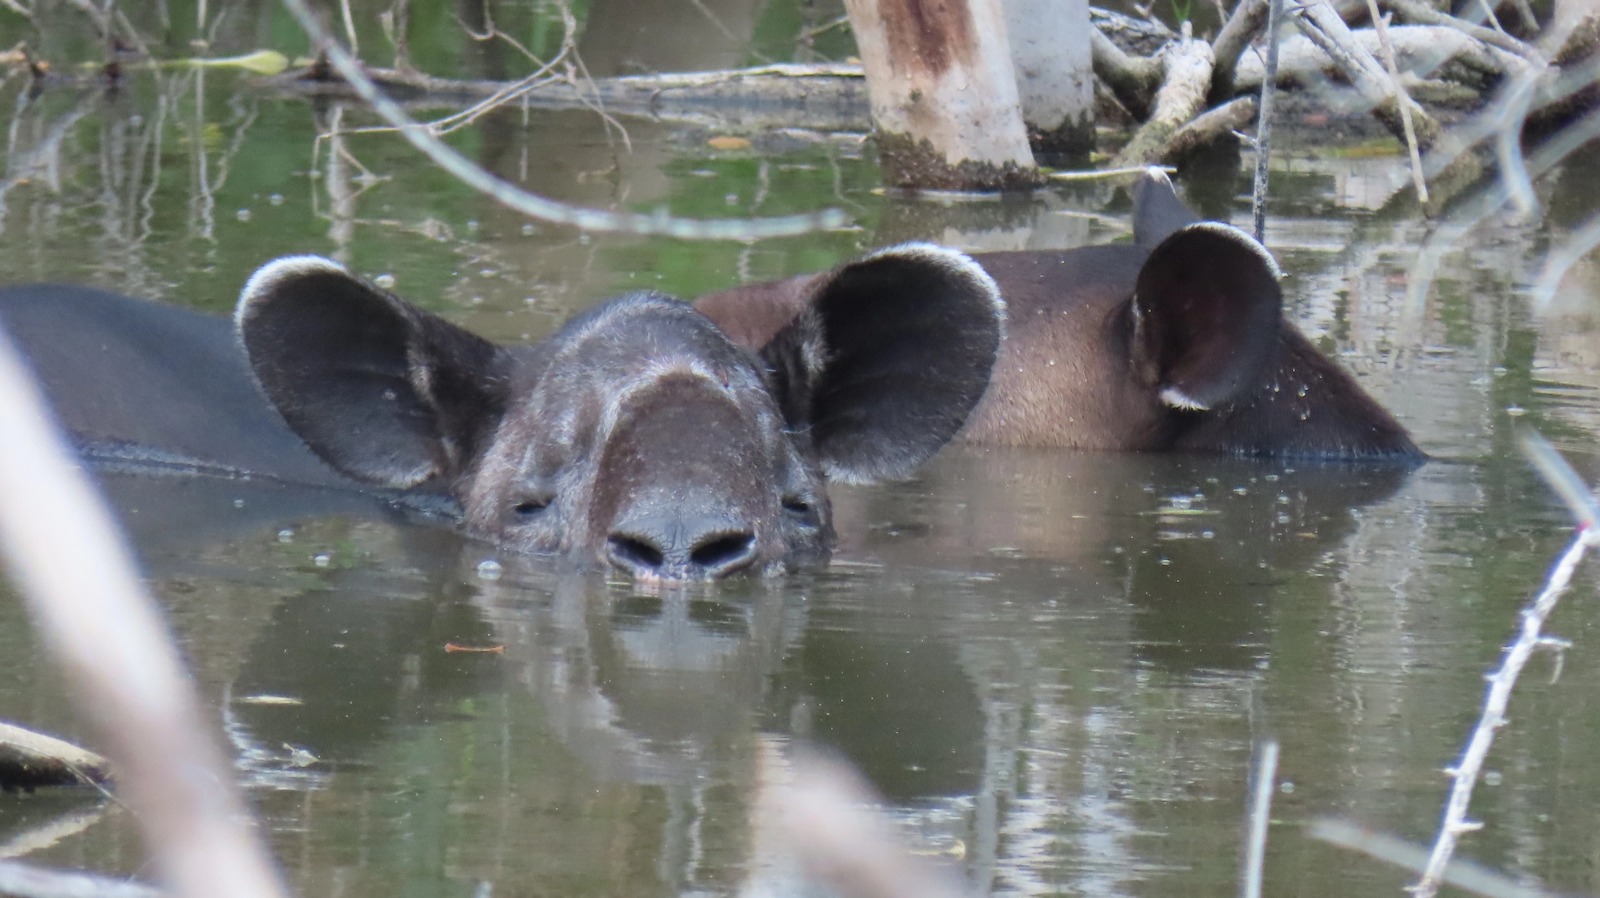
[[261, 62]]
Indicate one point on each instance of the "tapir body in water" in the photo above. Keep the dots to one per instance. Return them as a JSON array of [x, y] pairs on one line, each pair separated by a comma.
[[638, 437], [1174, 342]]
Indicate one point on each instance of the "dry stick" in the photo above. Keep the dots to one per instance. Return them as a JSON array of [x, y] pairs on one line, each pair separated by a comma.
[[1318, 21], [531, 204], [1465, 772], [1260, 815], [1419, 13], [80, 584], [1231, 42], [1269, 88], [1381, 26]]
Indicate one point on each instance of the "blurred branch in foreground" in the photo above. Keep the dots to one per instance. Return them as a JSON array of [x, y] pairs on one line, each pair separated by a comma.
[[78, 580]]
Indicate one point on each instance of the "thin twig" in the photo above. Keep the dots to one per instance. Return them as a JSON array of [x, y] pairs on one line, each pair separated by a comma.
[[1258, 194], [1266, 773], [531, 204], [1386, 50], [1465, 772]]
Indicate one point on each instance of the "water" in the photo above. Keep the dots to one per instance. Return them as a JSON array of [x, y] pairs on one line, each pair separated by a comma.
[[1056, 668]]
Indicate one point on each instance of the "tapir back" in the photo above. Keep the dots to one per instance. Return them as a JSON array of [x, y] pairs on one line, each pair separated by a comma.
[[142, 385]]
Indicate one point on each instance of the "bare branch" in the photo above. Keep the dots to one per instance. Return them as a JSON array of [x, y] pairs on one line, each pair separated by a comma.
[[1421, 13], [1321, 25], [1386, 50], [1131, 78], [1248, 18], [83, 591], [1465, 772], [533, 205]]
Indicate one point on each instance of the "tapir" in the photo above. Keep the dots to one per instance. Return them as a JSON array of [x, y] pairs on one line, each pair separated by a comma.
[[638, 437], [1174, 342]]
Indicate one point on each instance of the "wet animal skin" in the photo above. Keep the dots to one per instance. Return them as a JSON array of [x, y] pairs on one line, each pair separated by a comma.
[[1174, 342], [638, 437]]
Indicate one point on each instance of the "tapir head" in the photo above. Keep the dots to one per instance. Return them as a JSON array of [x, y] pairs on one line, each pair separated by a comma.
[[639, 436]]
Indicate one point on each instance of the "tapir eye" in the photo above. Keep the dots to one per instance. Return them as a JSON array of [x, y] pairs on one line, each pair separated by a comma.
[[800, 507], [531, 506]]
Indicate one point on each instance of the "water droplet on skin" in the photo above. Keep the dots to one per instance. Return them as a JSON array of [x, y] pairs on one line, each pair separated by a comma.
[[1302, 391], [322, 559], [489, 569], [242, 215], [286, 535], [386, 281]]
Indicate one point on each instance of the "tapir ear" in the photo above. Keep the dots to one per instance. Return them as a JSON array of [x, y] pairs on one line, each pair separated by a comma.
[[1206, 313], [383, 391], [1157, 211], [889, 358]]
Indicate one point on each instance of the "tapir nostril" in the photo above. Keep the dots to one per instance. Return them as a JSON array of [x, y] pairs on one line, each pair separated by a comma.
[[723, 553], [634, 555]]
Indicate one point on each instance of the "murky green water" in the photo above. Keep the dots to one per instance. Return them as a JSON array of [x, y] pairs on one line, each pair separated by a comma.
[[1055, 667]]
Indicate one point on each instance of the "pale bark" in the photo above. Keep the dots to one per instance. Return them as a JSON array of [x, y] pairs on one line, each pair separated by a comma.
[[1321, 24], [1182, 96], [1419, 49], [943, 93], [1055, 77], [29, 759]]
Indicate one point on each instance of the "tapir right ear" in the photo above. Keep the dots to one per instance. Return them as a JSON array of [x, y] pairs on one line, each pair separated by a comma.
[[1206, 312], [383, 391], [888, 359]]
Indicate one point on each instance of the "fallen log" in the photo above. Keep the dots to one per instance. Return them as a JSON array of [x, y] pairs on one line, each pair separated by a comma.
[[823, 97], [30, 760]]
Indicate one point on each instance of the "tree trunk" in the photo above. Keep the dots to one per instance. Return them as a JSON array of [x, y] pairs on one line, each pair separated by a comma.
[[943, 93], [1055, 75]]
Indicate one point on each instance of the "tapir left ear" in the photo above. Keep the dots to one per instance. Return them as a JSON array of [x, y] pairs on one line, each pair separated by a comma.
[[383, 391], [1206, 312], [889, 358]]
